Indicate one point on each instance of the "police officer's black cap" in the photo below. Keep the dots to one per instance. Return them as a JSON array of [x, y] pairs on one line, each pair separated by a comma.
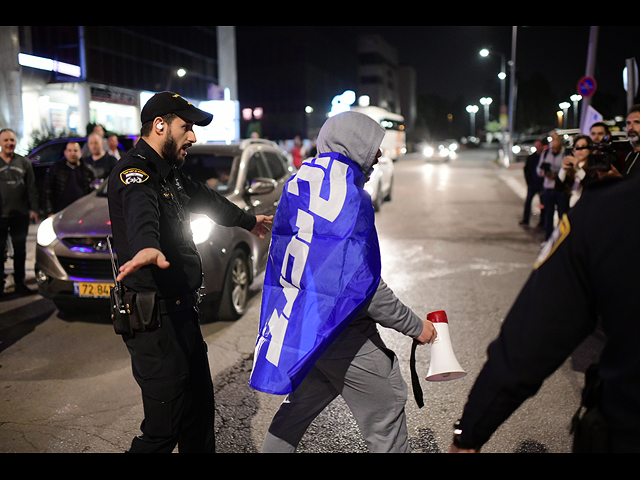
[[164, 103]]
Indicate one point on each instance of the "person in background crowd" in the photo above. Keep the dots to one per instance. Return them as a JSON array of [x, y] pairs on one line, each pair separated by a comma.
[[549, 166], [574, 173], [99, 130], [534, 183], [599, 132], [297, 152], [632, 165], [67, 180], [19, 206], [114, 147], [101, 162]]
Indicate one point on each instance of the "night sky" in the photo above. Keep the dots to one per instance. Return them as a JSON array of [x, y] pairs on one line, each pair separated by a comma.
[[448, 64]]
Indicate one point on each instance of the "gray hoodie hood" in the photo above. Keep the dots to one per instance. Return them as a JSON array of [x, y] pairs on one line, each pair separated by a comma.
[[354, 135]]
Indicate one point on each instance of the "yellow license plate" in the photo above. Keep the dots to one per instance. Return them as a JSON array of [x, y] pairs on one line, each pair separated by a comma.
[[92, 290]]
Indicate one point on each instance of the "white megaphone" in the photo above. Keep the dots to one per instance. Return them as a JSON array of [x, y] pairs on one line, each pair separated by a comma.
[[444, 365]]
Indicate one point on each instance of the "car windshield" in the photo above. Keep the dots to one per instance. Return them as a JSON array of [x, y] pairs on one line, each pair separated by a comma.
[[216, 171], [213, 170]]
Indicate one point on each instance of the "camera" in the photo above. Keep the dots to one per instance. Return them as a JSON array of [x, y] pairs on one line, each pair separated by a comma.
[[603, 156], [546, 168]]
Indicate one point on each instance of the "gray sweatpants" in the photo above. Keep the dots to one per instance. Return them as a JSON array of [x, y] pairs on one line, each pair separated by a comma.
[[371, 385]]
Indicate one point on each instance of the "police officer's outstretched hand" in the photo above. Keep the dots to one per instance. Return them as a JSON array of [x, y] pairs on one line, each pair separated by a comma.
[[147, 256], [263, 225]]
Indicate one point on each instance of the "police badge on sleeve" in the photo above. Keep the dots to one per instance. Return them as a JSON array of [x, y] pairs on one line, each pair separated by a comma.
[[559, 235], [133, 176]]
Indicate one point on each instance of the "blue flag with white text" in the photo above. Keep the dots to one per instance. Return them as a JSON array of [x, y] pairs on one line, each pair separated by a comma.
[[323, 268]]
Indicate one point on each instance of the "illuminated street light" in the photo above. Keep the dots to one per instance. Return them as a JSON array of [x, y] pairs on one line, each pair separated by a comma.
[[502, 75], [486, 101], [565, 108], [575, 98], [473, 109], [504, 116], [180, 73]]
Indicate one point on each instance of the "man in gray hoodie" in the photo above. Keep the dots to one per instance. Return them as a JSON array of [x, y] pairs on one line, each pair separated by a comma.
[[358, 366]]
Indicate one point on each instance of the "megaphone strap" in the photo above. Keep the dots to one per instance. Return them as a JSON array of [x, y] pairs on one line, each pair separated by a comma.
[[415, 379]]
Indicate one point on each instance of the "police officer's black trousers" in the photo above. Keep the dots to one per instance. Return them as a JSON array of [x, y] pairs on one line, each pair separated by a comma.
[[172, 369]]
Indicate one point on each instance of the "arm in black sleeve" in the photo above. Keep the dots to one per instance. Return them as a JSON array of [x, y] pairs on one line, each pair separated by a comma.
[[554, 312], [140, 212], [209, 202]]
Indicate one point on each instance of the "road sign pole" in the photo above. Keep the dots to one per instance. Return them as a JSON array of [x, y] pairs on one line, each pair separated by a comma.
[[591, 68]]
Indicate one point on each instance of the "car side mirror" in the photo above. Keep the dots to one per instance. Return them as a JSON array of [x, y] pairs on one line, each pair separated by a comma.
[[262, 186]]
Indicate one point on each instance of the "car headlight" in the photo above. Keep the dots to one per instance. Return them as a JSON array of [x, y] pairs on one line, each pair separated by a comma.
[[201, 228], [516, 149], [428, 151], [46, 234]]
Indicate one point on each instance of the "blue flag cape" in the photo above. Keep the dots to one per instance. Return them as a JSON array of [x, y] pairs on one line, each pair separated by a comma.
[[323, 269]]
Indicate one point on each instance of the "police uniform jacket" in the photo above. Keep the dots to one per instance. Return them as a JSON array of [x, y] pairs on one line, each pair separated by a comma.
[[589, 269], [150, 202]]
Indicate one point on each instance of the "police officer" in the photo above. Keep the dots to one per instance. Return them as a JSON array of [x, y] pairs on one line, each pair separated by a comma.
[[149, 205], [588, 270]]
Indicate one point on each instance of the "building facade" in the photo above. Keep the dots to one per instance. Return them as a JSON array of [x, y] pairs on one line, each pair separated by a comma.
[[63, 79]]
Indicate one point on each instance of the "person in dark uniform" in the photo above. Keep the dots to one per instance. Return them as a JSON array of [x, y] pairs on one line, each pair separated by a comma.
[[588, 272], [149, 205]]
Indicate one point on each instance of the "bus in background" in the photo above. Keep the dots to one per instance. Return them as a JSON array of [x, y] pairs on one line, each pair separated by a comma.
[[395, 141]]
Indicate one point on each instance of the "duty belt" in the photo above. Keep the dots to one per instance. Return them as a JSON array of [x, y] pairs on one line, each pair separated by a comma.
[[177, 304]]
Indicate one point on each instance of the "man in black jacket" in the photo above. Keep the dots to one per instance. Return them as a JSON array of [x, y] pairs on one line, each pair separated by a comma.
[[67, 180], [150, 202]]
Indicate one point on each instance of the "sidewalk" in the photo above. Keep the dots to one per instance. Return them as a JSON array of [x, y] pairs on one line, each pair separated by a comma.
[[12, 307], [513, 177]]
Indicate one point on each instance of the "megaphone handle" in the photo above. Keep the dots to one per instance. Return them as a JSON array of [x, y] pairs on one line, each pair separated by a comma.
[[415, 379]]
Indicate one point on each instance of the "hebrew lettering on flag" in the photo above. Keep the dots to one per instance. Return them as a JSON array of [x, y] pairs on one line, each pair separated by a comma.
[[324, 266]]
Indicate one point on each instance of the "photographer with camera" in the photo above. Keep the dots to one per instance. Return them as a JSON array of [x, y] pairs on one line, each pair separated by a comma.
[[553, 196], [574, 173]]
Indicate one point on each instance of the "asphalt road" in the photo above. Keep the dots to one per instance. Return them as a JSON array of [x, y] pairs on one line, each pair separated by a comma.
[[450, 241]]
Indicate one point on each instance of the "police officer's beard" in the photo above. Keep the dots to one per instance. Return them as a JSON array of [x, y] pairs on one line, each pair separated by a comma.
[[171, 152]]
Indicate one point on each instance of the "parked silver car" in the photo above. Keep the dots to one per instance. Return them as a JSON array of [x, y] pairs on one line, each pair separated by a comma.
[[380, 185], [73, 264]]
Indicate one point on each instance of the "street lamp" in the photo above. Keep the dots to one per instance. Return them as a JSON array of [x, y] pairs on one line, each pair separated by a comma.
[[565, 108], [502, 75], [486, 101], [575, 98], [472, 109], [180, 73], [504, 113]]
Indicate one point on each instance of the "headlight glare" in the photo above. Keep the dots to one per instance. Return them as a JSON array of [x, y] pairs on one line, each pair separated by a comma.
[[201, 228], [46, 234]]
